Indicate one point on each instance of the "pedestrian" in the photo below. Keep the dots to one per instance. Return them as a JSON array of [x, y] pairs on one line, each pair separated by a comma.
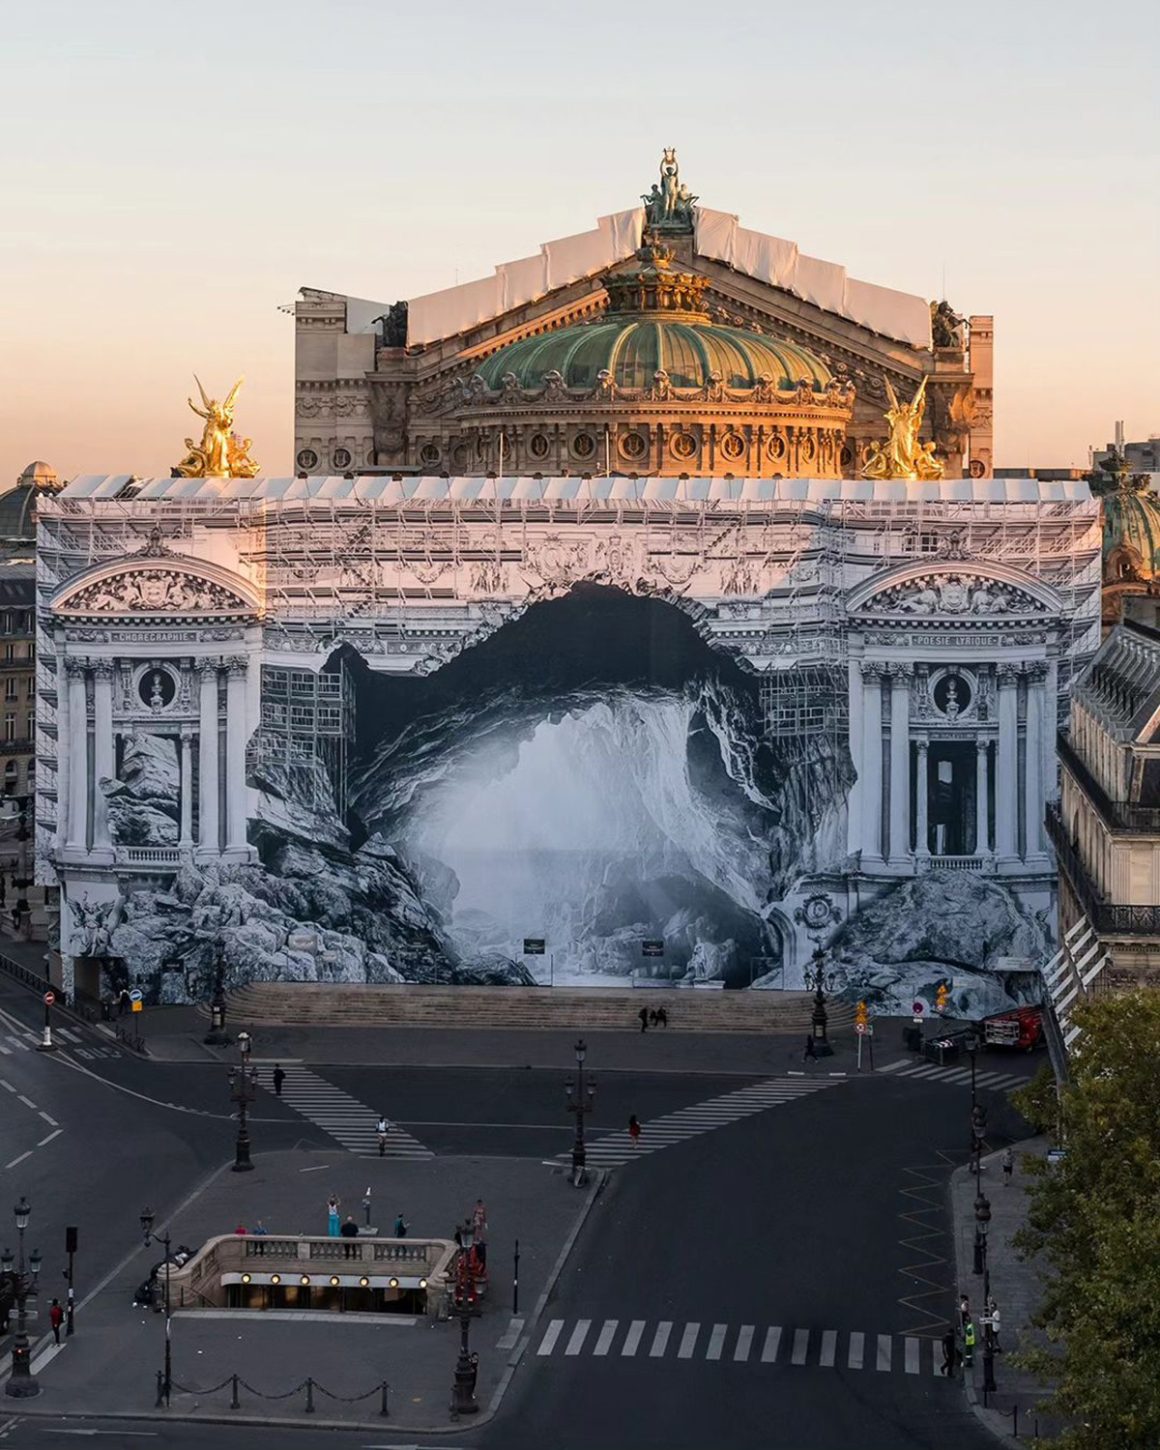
[[400, 1226], [260, 1231], [662, 1017], [634, 1130], [994, 1319], [809, 1055], [382, 1127], [279, 1079], [643, 1015], [122, 1001], [969, 1342], [1008, 1165], [56, 1319], [333, 1222], [653, 1018], [964, 1309], [949, 1349], [349, 1231], [241, 1229]]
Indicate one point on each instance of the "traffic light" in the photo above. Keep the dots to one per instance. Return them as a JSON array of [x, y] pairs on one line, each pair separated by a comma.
[[942, 997]]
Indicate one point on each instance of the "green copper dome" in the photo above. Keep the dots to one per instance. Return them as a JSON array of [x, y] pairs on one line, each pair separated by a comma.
[[632, 348], [1132, 524]]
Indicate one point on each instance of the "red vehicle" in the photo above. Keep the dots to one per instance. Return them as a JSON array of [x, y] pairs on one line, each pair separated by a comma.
[[1022, 1029]]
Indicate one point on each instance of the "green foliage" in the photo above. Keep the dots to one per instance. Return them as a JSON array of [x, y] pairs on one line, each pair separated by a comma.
[[1095, 1220]]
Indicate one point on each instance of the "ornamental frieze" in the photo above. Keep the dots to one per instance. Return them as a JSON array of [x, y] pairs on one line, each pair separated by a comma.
[[155, 591], [959, 595]]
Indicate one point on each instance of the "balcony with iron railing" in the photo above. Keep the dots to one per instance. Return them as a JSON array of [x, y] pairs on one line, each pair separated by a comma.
[[1116, 815], [1108, 918]]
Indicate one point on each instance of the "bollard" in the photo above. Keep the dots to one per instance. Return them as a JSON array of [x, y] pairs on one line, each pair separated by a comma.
[[310, 1397], [235, 1402], [384, 1410], [160, 1390], [516, 1281], [1015, 1422]]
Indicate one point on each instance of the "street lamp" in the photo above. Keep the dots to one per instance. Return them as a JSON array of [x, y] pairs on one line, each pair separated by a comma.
[[166, 1385], [216, 1036], [21, 1382], [972, 1046], [581, 1100], [815, 976], [982, 1224], [243, 1091], [463, 1401]]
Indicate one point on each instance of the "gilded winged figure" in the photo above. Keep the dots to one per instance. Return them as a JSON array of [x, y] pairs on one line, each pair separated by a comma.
[[902, 455], [221, 453]]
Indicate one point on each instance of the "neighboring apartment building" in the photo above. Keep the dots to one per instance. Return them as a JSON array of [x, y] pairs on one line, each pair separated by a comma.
[[1106, 829]]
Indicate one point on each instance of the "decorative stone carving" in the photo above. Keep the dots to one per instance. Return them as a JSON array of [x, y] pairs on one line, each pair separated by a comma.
[[94, 924], [953, 594], [818, 911], [156, 591]]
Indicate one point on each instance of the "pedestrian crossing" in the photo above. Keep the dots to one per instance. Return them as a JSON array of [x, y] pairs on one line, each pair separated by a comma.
[[616, 1149], [793, 1347], [347, 1121], [959, 1076]]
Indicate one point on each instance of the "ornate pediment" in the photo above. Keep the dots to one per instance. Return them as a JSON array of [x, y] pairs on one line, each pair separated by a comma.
[[958, 594], [160, 588]]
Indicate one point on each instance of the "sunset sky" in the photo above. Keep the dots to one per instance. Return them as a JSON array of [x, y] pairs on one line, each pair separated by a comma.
[[173, 173]]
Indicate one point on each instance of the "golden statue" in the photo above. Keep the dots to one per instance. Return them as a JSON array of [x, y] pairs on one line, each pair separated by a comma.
[[221, 453], [902, 455]]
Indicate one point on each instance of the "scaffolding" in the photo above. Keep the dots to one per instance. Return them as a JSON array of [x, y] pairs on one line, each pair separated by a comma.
[[307, 719]]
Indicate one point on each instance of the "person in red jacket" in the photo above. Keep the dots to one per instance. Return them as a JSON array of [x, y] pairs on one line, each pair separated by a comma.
[[56, 1319]]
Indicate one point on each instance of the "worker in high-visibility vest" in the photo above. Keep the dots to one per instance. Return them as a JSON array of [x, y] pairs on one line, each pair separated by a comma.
[[969, 1342]]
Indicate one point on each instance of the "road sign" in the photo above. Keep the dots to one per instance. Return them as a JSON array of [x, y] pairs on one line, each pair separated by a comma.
[[136, 995], [136, 1006], [918, 1008], [534, 946], [652, 948], [49, 998], [859, 1028]]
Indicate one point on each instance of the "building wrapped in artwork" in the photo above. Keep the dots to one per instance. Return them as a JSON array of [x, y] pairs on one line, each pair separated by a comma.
[[576, 625]]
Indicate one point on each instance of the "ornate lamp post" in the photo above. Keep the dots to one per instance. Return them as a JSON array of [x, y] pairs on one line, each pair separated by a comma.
[[463, 1401], [982, 1224], [581, 1100], [816, 977], [216, 1036], [21, 1383], [972, 1045], [165, 1387], [243, 1091]]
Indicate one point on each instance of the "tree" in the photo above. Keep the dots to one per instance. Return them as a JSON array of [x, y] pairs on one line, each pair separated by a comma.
[[1094, 1218]]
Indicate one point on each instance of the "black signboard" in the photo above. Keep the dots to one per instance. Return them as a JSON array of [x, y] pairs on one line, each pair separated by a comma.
[[652, 948], [533, 946]]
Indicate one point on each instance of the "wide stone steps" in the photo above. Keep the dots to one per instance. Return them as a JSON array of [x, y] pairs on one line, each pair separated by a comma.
[[529, 1008]]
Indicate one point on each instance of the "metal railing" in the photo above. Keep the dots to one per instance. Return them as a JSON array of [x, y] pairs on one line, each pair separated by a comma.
[[1117, 815], [1108, 918], [28, 978]]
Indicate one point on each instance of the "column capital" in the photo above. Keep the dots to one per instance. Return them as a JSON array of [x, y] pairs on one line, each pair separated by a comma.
[[899, 672], [238, 664], [1034, 671], [871, 669], [75, 668], [923, 743], [981, 743], [205, 666], [186, 736], [1007, 674], [103, 669]]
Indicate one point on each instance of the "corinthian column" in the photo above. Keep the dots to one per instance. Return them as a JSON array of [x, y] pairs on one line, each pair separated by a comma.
[[1007, 768], [1033, 774], [185, 842], [236, 735], [63, 747], [855, 802], [871, 795], [982, 834], [900, 763], [77, 749], [208, 836], [922, 802], [103, 753]]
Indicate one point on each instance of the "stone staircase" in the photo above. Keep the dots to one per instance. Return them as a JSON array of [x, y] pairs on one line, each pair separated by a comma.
[[313, 1004]]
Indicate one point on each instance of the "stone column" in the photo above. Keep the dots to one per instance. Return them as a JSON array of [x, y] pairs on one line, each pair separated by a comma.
[[922, 802], [1050, 715], [104, 761], [185, 842], [63, 747], [236, 736], [208, 834], [1033, 756], [900, 763], [871, 796], [77, 746], [855, 802], [1007, 767], [982, 833]]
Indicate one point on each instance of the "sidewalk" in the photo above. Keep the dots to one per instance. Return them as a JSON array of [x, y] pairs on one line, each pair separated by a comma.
[[1015, 1287], [110, 1365]]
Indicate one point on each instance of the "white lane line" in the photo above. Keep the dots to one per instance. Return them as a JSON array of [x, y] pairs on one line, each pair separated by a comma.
[[548, 1343], [883, 1352], [607, 1333], [716, 1342], [7, 1051], [912, 1346], [893, 1066], [21, 1159], [68, 1035], [744, 1340], [84, 1052], [801, 1346], [579, 1335], [5, 1083], [632, 1338], [661, 1339], [52, 1122], [829, 1348], [54, 1134], [857, 1348], [688, 1341], [28, 1103], [44, 1357], [772, 1340]]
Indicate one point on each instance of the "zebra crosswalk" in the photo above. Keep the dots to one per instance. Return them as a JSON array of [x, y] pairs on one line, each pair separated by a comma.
[[27, 1040], [616, 1149], [347, 1121], [930, 1072], [792, 1346]]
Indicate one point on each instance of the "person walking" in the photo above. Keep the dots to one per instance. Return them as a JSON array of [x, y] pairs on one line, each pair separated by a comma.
[[964, 1309], [382, 1128], [809, 1055], [260, 1231], [643, 1015], [634, 1130], [993, 1320], [122, 1001], [969, 1342], [1008, 1165], [349, 1231], [279, 1079], [662, 1017], [333, 1220], [56, 1319], [950, 1351], [400, 1226]]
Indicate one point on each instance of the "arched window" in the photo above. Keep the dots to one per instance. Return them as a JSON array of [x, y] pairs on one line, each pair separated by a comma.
[[11, 777]]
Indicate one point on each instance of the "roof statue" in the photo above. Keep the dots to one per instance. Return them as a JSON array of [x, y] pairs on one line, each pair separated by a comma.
[[947, 328], [221, 452], [902, 455], [669, 205]]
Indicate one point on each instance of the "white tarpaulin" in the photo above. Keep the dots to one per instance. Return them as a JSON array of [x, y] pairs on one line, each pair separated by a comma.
[[894, 314]]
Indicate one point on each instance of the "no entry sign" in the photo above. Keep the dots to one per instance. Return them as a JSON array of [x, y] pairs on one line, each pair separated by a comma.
[[49, 998]]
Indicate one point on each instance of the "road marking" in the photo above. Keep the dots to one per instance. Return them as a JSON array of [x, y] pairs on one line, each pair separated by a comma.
[[5, 1083], [318, 1168], [857, 1348], [744, 1340], [661, 1339], [772, 1340], [688, 1341], [579, 1335], [21, 1159], [911, 1356], [511, 1335], [883, 1352], [7, 1051], [632, 1338], [68, 1035], [46, 1356], [716, 1342], [829, 1348], [52, 1122], [28, 1103], [894, 1066], [548, 1343], [54, 1134], [801, 1346], [604, 1342]]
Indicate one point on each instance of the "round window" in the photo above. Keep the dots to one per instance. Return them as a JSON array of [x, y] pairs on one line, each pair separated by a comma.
[[429, 453], [538, 445], [634, 445], [952, 695], [732, 445], [776, 447], [157, 688], [308, 459], [583, 445], [342, 458], [847, 457], [459, 455], [683, 445]]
